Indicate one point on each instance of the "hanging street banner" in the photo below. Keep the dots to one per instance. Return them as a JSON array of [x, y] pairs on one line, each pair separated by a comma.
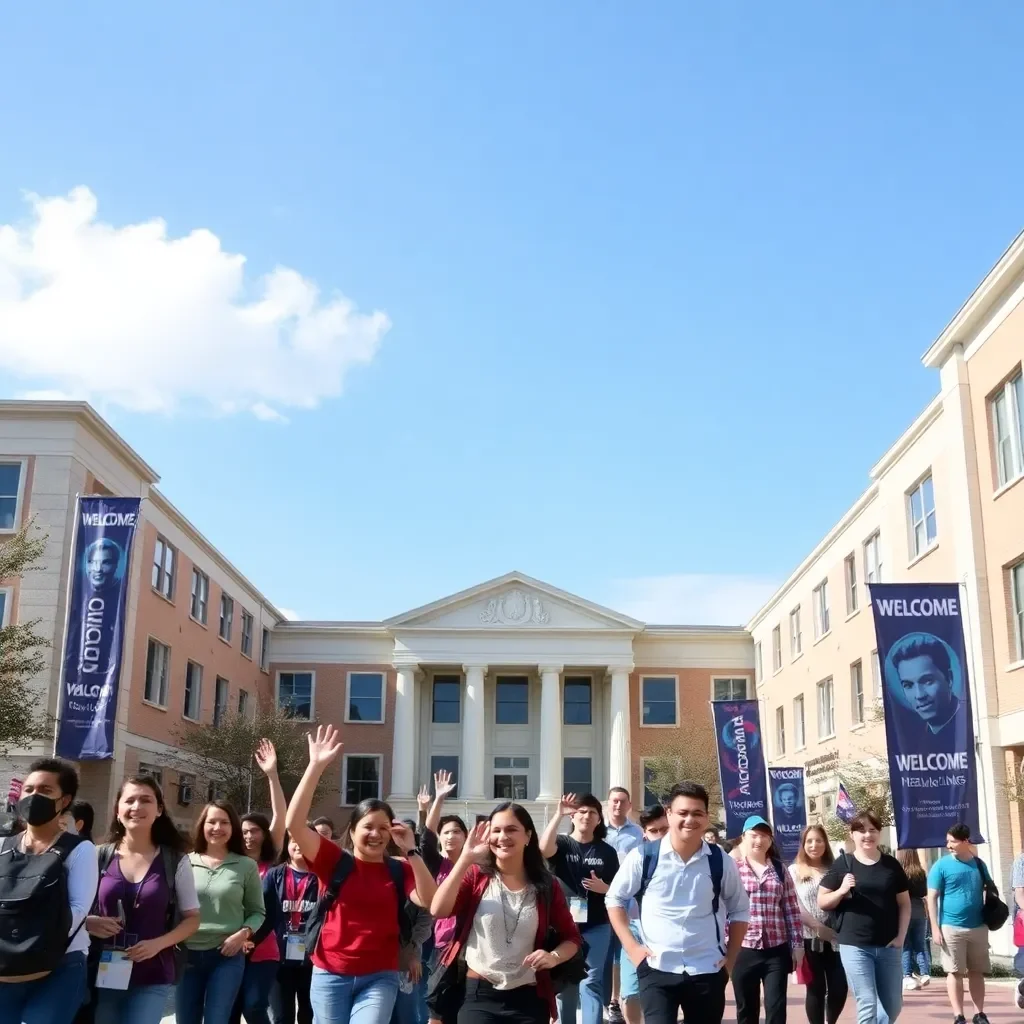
[[929, 729], [93, 642], [789, 809], [740, 762]]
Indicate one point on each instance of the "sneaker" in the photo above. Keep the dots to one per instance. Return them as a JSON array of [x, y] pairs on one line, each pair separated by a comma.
[[1019, 994], [614, 1014], [959, 1019], [923, 980], [910, 984], [980, 1018]]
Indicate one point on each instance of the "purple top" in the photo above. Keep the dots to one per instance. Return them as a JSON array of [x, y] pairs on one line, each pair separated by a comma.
[[145, 911]]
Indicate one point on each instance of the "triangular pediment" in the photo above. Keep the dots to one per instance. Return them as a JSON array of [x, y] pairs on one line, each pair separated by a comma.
[[513, 601]]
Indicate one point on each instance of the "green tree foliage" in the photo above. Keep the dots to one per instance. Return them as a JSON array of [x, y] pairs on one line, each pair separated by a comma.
[[869, 789], [691, 757], [23, 719]]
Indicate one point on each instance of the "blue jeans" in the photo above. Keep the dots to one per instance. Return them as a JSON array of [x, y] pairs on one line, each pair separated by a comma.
[[353, 999], [254, 995], [209, 986], [876, 981], [915, 949], [54, 999], [146, 1004], [589, 994]]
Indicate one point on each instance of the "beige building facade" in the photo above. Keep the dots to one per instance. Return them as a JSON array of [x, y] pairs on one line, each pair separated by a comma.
[[944, 504]]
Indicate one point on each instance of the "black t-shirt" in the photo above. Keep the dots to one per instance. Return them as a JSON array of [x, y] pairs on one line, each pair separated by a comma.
[[870, 913], [573, 861]]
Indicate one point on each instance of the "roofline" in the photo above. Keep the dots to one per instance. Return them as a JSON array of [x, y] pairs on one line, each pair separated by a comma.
[[1006, 272], [932, 411], [694, 632], [163, 503], [84, 413]]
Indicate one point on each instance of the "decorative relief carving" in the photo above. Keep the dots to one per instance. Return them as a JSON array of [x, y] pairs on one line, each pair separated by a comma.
[[515, 608]]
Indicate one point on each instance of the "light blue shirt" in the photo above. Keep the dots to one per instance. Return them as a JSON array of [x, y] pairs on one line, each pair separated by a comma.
[[625, 838], [960, 890], [676, 922]]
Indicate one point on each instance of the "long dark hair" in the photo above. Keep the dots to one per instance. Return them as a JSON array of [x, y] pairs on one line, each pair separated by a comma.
[[368, 806], [911, 864], [534, 864], [235, 844], [268, 852], [163, 831]]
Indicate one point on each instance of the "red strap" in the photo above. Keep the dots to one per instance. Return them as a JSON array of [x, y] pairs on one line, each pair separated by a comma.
[[291, 895]]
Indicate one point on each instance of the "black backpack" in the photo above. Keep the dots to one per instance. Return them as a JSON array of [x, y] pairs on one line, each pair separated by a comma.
[[342, 870], [35, 912]]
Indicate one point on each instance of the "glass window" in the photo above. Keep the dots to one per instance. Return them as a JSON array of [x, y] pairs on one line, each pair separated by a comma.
[[1017, 586], [873, 559], [799, 725], [576, 775], [265, 649], [512, 701], [730, 689], [822, 620], [164, 557], [659, 700], [3, 608], [362, 778], [780, 730], [576, 703], [10, 484], [876, 676], [857, 692], [154, 771], [243, 703], [776, 648], [447, 697], [511, 778], [851, 584], [921, 512], [186, 788], [158, 662], [1008, 430], [193, 691], [246, 634], [796, 635], [651, 796], [200, 595], [227, 617], [295, 694], [220, 700], [366, 697], [826, 710], [758, 667], [445, 763]]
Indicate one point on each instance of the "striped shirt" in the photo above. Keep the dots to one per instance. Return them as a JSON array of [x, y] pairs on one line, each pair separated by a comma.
[[774, 908]]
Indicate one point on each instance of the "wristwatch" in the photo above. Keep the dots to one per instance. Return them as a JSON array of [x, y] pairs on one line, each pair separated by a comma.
[[415, 852]]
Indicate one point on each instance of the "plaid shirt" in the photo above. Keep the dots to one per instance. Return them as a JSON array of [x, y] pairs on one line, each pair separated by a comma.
[[774, 909]]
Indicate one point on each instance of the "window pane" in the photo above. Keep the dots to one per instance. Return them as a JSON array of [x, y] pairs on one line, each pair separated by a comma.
[[447, 694], [365, 702], [295, 694], [659, 701], [512, 707], [576, 702], [510, 787], [445, 763], [362, 779], [10, 477], [576, 775]]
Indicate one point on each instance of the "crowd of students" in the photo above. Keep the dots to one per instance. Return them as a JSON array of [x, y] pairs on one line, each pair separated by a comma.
[[273, 919]]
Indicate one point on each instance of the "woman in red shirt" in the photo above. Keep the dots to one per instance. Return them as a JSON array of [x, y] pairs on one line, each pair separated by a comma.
[[355, 955], [504, 900]]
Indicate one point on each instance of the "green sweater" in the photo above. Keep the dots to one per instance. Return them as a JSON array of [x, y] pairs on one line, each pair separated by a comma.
[[230, 897]]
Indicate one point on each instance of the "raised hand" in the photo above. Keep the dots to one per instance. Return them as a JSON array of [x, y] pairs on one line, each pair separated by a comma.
[[403, 836], [423, 798], [478, 845], [443, 784], [594, 884], [568, 804], [266, 756], [324, 746]]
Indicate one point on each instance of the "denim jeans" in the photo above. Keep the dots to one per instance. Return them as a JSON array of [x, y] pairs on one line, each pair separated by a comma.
[[876, 981], [146, 1004], [209, 986], [915, 949], [54, 999], [353, 999], [253, 998], [589, 994]]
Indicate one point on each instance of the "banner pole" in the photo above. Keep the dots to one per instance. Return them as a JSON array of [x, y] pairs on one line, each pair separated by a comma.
[[67, 617], [965, 602]]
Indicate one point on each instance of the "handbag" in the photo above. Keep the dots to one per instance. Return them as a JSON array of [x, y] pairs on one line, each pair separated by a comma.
[[834, 918], [994, 912], [804, 972], [1018, 930], [573, 970]]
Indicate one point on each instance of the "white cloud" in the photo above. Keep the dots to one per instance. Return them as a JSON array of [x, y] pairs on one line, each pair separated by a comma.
[[699, 599], [131, 317], [289, 614]]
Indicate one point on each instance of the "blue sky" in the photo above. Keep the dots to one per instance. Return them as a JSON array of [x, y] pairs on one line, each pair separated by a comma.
[[656, 277]]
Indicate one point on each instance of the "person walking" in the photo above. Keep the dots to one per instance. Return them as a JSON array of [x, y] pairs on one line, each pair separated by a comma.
[[826, 985], [868, 892], [360, 920], [586, 865], [774, 944], [146, 891], [1017, 884], [513, 923], [231, 911], [956, 899], [686, 890], [916, 963], [48, 881]]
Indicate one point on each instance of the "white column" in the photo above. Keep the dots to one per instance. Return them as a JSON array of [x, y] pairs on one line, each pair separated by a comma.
[[471, 769], [550, 734], [403, 751], [619, 759]]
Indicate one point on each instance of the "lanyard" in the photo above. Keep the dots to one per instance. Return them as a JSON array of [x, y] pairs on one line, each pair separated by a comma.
[[291, 894]]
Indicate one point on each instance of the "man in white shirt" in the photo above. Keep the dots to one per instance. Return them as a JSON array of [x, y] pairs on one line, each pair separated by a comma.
[[688, 947]]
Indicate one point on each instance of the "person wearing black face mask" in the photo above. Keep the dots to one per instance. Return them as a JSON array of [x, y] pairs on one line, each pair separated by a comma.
[[53, 874]]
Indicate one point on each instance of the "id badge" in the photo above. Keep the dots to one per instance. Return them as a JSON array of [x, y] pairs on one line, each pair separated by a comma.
[[295, 947], [578, 909], [114, 970]]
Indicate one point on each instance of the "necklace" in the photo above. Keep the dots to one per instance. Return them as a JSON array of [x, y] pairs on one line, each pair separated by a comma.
[[506, 909]]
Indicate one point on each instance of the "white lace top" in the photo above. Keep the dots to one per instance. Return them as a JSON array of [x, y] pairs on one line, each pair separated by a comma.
[[807, 893], [503, 935]]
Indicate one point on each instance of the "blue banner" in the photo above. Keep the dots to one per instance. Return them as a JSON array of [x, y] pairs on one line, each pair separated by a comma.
[[740, 762], [789, 809], [95, 634], [929, 729]]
